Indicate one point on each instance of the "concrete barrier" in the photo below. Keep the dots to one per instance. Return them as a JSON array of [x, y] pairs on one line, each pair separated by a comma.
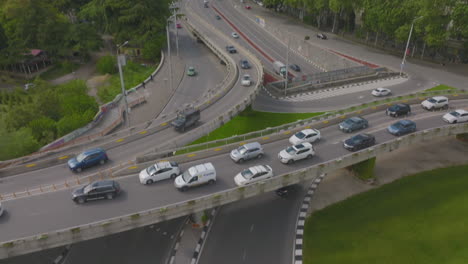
[[138, 219]]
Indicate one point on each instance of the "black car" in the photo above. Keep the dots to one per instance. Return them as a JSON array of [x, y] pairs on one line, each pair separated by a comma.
[[321, 36], [217, 17], [353, 123], [359, 141], [244, 64], [185, 119], [398, 110], [106, 189], [295, 67], [231, 49]]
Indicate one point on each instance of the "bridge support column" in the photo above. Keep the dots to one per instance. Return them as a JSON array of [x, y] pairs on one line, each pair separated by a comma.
[[199, 219], [364, 170], [463, 137]]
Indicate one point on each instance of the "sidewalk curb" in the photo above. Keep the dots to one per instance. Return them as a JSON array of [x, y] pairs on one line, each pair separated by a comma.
[[300, 222], [203, 236]]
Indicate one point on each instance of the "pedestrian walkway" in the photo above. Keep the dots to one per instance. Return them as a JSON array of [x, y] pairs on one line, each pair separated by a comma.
[[185, 247]]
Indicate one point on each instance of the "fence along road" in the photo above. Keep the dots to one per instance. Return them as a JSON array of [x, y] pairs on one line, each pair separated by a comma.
[[143, 205]]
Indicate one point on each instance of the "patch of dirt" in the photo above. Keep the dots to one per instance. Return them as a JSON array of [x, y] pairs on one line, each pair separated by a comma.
[[97, 81]]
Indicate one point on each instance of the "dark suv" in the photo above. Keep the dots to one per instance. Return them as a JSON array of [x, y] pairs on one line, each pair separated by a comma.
[[359, 141], [186, 118], [398, 110], [87, 159], [231, 49], [244, 64], [107, 189]]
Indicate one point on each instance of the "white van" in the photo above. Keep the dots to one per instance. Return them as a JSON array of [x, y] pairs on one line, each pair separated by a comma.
[[196, 175]]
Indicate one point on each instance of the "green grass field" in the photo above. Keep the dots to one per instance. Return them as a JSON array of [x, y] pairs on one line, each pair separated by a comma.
[[250, 120], [441, 87], [416, 219], [59, 69]]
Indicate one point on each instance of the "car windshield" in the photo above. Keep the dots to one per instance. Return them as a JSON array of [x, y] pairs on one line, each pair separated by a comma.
[[186, 176], [398, 125], [455, 113], [247, 174], [181, 117], [291, 150], [349, 121], [151, 170], [432, 100], [246, 77], [242, 150], [80, 157], [87, 188], [300, 135]]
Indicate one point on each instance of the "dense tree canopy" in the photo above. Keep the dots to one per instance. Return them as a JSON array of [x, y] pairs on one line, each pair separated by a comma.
[[440, 19], [66, 27]]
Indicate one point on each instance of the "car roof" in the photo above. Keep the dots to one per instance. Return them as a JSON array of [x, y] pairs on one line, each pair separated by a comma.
[[252, 145], [257, 169], [439, 97], [356, 118], [248, 75], [461, 111], [363, 135], [163, 164], [201, 168], [92, 151], [308, 131], [405, 122], [303, 145], [401, 105], [103, 183]]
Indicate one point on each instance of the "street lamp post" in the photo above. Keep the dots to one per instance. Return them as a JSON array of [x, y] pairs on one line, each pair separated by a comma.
[[287, 65], [169, 55], [122, 84], [407, 45]]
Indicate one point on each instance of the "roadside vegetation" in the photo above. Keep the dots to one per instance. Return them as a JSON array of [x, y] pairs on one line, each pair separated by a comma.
[[250, 120], [29, 120], [134, 74], [416, 219], [441, 87], [59, 69]]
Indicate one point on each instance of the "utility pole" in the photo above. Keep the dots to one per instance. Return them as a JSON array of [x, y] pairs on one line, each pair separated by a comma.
[[122, 84], [169, 55], [407, 45], [286, 75]]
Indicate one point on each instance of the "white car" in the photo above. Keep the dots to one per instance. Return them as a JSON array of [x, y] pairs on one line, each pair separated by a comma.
[[1, 209], [160, 171], [234, 35], [436, 102], [297, 152], [246, 80], [253, 174], [456, 116], [195, 176], [381, 92], [306, 135]]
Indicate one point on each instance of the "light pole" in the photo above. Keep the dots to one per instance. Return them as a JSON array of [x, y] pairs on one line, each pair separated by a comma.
[[169, 55], [287, 65], [407, 45], [124, 93]]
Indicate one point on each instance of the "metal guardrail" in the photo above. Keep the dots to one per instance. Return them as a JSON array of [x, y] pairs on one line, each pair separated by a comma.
[[138, 219]]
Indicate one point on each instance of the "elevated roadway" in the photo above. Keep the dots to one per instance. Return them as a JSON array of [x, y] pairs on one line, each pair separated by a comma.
[[45, 213]]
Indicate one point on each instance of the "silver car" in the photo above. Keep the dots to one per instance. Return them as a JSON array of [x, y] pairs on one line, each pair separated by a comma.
[[247, 151]]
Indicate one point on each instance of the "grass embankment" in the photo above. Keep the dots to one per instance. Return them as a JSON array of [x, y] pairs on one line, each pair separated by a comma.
[[441, 87], [250, 120], [134, 74], [416, 219]]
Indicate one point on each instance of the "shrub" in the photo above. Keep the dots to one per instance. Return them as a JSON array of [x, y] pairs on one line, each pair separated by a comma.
[[107, 64], [306, 37], [364, 170]]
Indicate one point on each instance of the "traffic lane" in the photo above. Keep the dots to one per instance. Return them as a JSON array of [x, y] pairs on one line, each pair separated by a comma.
[[54, 211], [146, 245], [149, 244], [60, 173], [265, 102], [209, 73], [120, 155], [265, 41], [259, 230]]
